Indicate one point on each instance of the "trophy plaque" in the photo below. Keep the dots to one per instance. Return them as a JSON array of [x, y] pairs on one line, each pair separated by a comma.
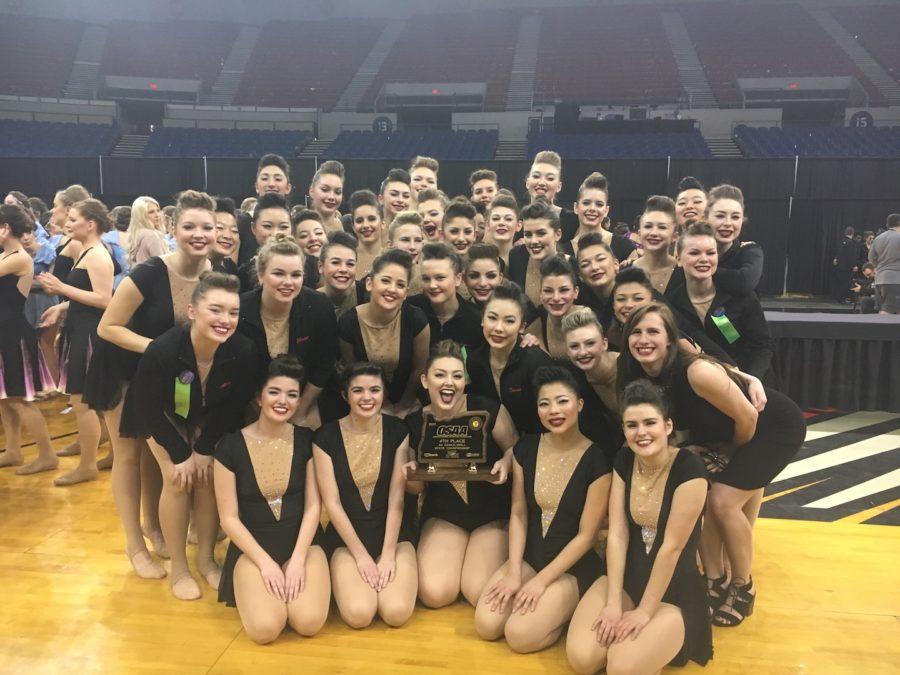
[[453, 449]]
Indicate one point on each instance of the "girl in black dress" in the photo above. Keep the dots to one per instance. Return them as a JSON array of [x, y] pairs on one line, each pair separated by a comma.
[[227, 245], [282, 316], [502, 225], [369, 228], [389, 332], [191, 387], [463, 539], [744, 444], [559, 498], [597, 268], [592, 209], [502, 369], [736, 323], [541, 236], [483, 273], [657, 234], [152, 299], [23, 371], [559, 291], [423, 174], [275, 571], [651, 609], [88, 289], [359, 467], [270, 217]]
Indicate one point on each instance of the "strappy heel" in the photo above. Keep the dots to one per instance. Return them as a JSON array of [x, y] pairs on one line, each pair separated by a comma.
[[717, 592], [737, 607]]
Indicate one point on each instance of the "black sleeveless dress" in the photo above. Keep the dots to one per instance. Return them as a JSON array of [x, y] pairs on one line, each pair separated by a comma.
[[780, 431], [540, 550], [687, 589], [23, 371], [277, 536], [369, 523], [485, 502], [78, 335]]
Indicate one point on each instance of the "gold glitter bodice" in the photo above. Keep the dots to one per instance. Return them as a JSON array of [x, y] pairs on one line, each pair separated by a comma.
[[552, 473], [272, 460], [346, 303], [556, 339], [533, 281], [182, 288], [277, 334], [648, 485], [363, 457], [382, 342]]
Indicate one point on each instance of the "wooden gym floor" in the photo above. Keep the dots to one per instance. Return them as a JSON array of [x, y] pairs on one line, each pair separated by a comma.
[[829, 598]]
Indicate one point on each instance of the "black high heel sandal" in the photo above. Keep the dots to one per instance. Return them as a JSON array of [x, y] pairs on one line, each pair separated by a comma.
[[717, 592], [737, 607]]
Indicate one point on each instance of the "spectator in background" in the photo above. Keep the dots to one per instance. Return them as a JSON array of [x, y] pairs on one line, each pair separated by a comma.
[[844, 265], [885, 255], [863, 290], [867, 238]]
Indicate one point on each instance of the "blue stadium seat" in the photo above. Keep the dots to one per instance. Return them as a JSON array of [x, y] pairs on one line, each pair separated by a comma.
[[775, 142], [186, 142], [403, 145], [55, 139], [621, 146]]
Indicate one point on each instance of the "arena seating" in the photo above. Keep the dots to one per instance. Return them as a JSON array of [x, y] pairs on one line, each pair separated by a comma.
[[608, 54], [306, 64], [772, 40], [819, 142], [53, 139], [184, 50], [621, 146], [457, 48], [182, 142], [36, 54], [875, 27], [403, 145]]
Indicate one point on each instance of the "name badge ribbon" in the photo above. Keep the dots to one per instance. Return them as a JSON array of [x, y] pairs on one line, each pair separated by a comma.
[[183, 394], [723, 323]]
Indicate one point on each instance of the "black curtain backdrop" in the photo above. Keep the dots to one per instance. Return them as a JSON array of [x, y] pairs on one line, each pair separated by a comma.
[[796, 210]]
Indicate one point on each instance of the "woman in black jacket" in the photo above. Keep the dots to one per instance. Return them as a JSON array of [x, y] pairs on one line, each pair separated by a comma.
[[740, 262], [192, 386], [282, 316], [735, 322]]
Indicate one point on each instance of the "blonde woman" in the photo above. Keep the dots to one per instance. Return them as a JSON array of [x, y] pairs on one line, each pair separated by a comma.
[[146, 235]]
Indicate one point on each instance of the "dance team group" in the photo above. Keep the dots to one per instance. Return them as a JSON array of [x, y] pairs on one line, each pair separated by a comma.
[[278, 364]]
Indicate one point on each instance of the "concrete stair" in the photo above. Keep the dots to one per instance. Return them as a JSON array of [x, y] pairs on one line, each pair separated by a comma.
[[84, 79], [314, 148], [876, 74], [690, 71], [130, 145], [229, 78], [520, 93], [369, 69], [509, 150], [723, 147]]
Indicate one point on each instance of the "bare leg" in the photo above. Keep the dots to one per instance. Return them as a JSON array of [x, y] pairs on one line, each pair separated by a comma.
[[126, 487], [174, 507], [488, 623], [30, 415], [584, 652], [88, 438], [46, 343], [712, 552], [398, 600], [262, 614], [308, 613], [206, 518], [151, 490], [727, 505], [442, 548], [12, 425], [357, 601], [537, 630], [105, 463], [753, 505], [657, 644], [487, 550]]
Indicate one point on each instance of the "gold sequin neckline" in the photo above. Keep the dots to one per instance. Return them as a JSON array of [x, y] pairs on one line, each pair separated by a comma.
[[648, 485], [552, 473], [272, 459], [363, 450]]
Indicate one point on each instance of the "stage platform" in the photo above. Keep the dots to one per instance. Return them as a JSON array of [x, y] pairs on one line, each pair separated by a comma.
[[828, 602]]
